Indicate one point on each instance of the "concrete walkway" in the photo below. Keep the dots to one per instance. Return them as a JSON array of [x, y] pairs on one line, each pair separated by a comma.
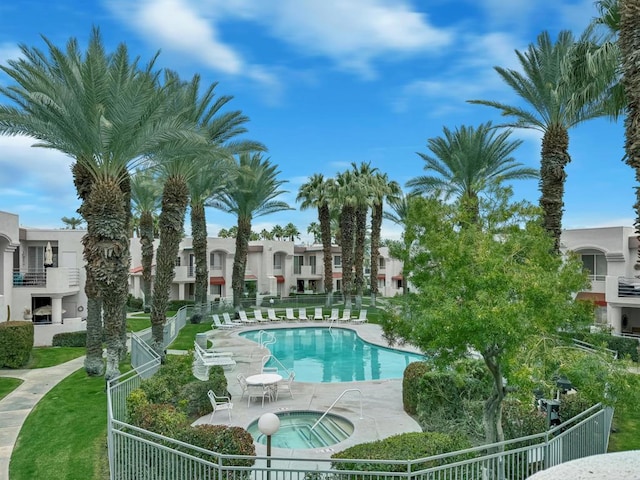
[[15, 407]]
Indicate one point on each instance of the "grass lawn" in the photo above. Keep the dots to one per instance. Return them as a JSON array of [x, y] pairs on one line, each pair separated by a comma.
[[627, 426], [186, 337], [8, 385], [42, 357], [65, 436], [138, 323]]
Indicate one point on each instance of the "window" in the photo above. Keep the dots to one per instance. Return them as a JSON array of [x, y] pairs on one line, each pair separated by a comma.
[[177, 261], [381, 263], [298, 261], [36, 258], [216, 290], [337, 261], [215, 259], [312, 263], [277, 261], [595, 263]]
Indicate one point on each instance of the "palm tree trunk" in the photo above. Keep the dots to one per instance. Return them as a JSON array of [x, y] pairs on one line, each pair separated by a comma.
[[93, 363], [358, 260], [347, 230], [630, 48], [199, 234], [325, 232], [555, 156], [240, 261], [146, 242], [125, 187], [376, 227], [108, 251], [175, 197]]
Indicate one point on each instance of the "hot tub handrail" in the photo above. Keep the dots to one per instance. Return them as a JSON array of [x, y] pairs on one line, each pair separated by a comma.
[[336, 401]]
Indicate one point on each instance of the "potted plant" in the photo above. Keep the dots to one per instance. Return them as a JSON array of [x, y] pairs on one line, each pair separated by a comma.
[[27, 313]]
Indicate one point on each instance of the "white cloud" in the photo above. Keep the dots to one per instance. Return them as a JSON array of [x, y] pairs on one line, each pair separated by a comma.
[[9, 51]]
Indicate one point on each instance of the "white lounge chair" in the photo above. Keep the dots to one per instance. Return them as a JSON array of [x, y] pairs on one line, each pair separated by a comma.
[[244, 319], [335, 315], [346, 315], [227, 320], [317, 314], [210, 352], [271, 314], [289, 314], [219, 404], [362, 318], [217, 323], [302, 315], [257, 315]]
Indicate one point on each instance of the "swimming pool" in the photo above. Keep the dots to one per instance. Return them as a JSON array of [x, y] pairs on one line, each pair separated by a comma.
[[328, 355]]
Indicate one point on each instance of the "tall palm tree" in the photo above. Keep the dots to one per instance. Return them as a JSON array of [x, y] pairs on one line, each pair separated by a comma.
[[345, 195], [315, 193], [382, 189], [364, 177], [145, 197], [466, 162], [266, 234], [552, 110], [251, 194], [291, 232], [278, 232], [105, 112]]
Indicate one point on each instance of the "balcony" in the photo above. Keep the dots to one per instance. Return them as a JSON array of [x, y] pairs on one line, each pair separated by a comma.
[[51, 281], [183, 274]]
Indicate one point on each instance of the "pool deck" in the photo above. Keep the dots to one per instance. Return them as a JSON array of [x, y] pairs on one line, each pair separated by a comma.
[[383, 415]]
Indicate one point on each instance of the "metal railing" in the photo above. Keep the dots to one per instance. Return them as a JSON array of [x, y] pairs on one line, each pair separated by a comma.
[[336, 401], [136, 454]]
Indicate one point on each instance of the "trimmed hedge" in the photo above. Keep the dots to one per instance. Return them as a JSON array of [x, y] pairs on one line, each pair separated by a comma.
[[406, 446], [16, 342], [413, 374], [175, 305], [626, 347], [70, 339], [221, 439]]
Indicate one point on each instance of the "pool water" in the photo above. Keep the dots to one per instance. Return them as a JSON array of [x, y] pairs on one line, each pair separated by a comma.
[[322, 354], [298, 430]]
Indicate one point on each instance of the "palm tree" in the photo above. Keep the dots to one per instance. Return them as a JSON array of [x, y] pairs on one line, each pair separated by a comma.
[[316, 194], [252, 194], [364, 177], [466, 162], [550, 96], [72, 222], [266, 234], [105, 112], [345, 196], [382, 190], [314, 229], [291, 232], [278, 232], [145, 196]]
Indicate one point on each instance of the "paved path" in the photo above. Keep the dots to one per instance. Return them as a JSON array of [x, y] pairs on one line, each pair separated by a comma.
[[15, 407]]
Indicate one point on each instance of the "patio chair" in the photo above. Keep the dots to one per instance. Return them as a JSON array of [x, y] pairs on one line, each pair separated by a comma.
[[242, 380], [271, 314], [302, 315], [362, 318], [244, 319], [217, 323], [346, 315], [227, 320], [289, 314], [258, 391], [317, 314], [286, 384], [257, 315], [219, 404], [335, 315]]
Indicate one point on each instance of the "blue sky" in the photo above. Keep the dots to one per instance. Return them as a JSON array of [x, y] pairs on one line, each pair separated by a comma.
[[326, 83]]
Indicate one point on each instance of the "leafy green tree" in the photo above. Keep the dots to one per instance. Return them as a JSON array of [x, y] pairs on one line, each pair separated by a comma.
[[467, 162], [105, 112], [145, 196], [484, 289], [251, 194], [553, 110], [72, 222], [315, 193]]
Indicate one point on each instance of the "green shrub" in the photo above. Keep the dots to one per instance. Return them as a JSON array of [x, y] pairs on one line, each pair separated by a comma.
[[221, 439], [414, 372], [175, 305], [16, 342], [135, 304], [192, 398], [572, 405], [135, 401], [626, 347], [160, 418], [521, 419], [70, 339], [406, 446]]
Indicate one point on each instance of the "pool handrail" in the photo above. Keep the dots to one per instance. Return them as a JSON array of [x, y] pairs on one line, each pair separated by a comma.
[[271, 338], [336, 401], [266, 358]]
